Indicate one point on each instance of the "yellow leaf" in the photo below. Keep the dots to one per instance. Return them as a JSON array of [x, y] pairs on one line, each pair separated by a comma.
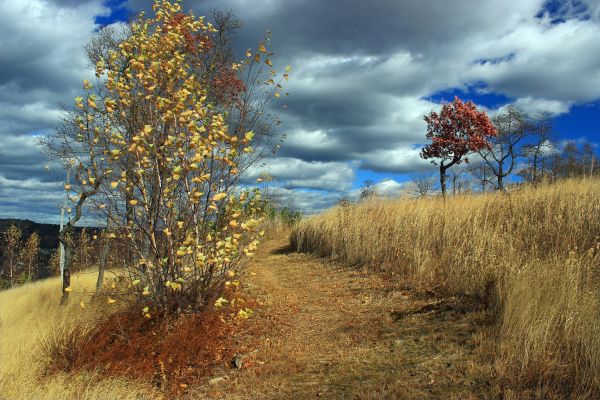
[[114, 185], [268, 62], [133, 202], [219, 196], [110, 301], [221, 302], [68, 289]]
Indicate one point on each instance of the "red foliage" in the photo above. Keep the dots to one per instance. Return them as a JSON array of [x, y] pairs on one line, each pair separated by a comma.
[[456, 131], [227, 85], [167, 352], [193, 43]]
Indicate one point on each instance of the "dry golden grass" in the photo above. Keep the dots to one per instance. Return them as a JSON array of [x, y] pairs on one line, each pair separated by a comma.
[[532, 255], [32, 322], [323, 329]]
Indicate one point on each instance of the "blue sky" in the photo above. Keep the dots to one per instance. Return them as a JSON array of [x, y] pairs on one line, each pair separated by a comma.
[[364, 75]]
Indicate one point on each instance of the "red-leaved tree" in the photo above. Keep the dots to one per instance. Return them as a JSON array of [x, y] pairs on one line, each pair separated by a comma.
[[458, 129]]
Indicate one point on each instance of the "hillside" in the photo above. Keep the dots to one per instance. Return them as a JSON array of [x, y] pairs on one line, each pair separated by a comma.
[[489, 297]]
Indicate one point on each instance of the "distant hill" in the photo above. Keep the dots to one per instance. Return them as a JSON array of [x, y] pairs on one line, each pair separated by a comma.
[[48, 232]]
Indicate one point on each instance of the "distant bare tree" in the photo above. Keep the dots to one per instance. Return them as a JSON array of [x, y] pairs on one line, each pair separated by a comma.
[[540, 149], [456, 181], [424, 182], [589, 160], [30, 254], [367, 190], [501, 158], [482, 174], [11, 243]]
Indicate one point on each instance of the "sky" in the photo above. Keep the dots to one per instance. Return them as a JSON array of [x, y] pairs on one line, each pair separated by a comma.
[[365, 73]]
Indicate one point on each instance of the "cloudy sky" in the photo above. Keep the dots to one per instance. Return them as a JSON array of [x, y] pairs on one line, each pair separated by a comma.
[[365, 73]]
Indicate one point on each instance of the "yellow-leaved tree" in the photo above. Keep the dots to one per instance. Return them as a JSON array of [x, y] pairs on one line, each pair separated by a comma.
[[150, 148]]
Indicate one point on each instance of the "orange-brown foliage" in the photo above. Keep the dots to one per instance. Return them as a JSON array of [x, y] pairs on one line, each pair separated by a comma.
[[169, 352]]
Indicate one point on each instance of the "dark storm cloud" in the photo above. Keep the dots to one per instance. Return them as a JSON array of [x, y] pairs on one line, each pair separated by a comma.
[[363, 71], [363, 27], [42, 65]]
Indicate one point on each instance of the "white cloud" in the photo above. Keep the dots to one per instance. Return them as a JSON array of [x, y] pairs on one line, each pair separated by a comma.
[[533, 106], [401, 159], [296, 173]]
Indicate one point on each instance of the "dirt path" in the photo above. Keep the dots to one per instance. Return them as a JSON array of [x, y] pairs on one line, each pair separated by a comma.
[[324, 331]]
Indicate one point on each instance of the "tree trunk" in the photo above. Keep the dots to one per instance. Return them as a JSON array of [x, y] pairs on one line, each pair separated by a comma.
[[500, 177], [534, 177], [443, 179], [102, 264], [10, 269], [66, 279]]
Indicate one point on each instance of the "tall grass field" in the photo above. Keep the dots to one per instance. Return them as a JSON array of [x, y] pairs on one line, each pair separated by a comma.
[[31, 322], [532, 256]]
